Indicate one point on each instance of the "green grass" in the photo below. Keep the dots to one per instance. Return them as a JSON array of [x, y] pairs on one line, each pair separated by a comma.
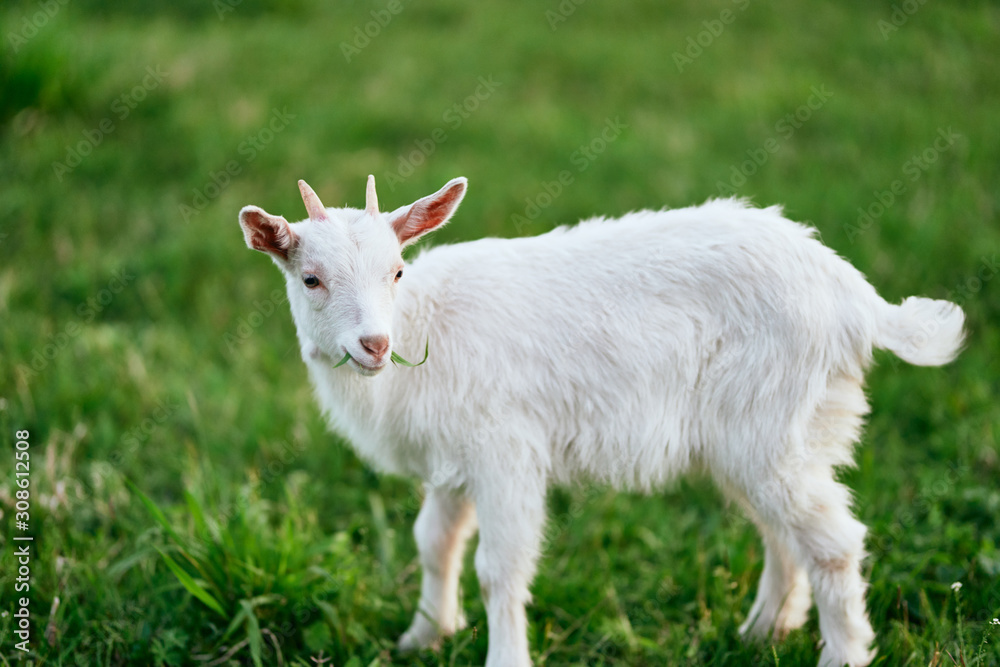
[[141, 341]]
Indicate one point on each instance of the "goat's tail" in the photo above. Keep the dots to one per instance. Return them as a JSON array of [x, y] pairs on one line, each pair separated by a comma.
[[924, 332]]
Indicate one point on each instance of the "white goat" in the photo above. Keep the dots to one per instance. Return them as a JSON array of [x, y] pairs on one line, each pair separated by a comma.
[[719, 338]]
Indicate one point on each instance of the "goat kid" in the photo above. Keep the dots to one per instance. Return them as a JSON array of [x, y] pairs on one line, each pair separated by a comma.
[[720, 338]]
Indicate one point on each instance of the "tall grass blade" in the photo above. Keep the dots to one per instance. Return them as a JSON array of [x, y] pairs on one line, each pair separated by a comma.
[[238, 620], [194, 507], [155, 512], [332, 617], [253, 633], [192, 586]]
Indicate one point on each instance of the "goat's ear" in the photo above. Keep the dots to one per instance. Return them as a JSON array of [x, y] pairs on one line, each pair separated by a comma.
[[427, 214], [267, 233]]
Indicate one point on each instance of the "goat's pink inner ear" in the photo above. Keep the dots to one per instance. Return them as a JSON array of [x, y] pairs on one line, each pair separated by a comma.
[[267, 233], [429, 213]]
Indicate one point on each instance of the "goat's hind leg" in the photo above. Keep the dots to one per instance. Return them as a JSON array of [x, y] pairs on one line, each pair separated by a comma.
[[801, 507], [810, 512], [784, 595], [443, 526]]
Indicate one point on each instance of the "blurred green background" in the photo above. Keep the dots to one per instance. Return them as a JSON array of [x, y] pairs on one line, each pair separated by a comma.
[[142, 341]]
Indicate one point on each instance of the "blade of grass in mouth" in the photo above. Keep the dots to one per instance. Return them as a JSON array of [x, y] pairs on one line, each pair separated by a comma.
[[396, 359]]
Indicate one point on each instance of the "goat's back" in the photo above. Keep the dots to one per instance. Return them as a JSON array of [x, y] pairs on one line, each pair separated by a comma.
[[620, 349]]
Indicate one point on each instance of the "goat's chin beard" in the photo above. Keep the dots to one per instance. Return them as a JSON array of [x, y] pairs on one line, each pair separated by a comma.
[[367, 371]]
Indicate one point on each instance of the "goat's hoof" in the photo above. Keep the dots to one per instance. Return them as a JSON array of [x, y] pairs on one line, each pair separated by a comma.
[[422, 634], [854, 656], [754, 629], [789, 622], [409, 641]]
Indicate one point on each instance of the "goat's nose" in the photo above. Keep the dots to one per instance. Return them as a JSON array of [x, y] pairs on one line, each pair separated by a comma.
[[375, 345]]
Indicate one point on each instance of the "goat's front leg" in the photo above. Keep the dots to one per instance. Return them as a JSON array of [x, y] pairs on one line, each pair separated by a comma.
[[443, 526], [510, 527]]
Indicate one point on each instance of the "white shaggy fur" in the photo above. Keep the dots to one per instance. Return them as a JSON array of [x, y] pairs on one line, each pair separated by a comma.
[[720, 338]]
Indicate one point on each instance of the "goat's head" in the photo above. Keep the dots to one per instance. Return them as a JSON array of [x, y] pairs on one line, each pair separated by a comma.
[[342, 266]]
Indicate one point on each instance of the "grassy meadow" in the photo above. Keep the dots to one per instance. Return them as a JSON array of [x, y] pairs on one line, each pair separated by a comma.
[[188, 504]]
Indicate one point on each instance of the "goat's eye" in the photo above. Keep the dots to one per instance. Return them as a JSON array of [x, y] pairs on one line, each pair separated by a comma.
[[399, 274], [310, 280]]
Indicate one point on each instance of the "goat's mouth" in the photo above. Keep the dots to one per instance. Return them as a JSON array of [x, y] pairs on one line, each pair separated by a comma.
[[365, 369], [360, 367], [397, 360]]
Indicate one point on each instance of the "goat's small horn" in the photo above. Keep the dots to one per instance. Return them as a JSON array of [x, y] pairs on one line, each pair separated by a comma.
[[314, 207], [371, 199]]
